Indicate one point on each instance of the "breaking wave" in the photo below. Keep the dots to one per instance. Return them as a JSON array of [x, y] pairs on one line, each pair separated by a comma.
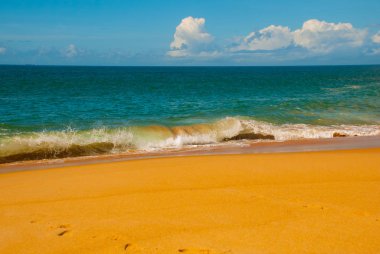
[[73, 143]]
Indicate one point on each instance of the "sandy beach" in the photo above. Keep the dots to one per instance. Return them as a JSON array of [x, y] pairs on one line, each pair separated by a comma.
[[190, 127], [302, 202]]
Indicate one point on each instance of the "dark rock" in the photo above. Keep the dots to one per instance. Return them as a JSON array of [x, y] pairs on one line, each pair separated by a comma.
[[339, 135], [250, 136]]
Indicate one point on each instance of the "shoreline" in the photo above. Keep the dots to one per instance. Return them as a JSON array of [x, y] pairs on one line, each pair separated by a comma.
[[273, 147], [304, 202]]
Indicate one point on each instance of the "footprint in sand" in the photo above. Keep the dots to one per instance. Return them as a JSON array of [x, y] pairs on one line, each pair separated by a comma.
[[202, 251], [62, 233], [64, 229], [197, 251]]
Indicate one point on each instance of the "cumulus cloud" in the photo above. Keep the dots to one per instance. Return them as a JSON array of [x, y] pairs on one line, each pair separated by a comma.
[[269, 38], [317, 37], [376, 38], [71, 51], [324, 37], [190, 38], [276, 42], [2, 50]]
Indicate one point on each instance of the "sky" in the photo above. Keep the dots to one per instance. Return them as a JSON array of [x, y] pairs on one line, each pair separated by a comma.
[[192, 32]]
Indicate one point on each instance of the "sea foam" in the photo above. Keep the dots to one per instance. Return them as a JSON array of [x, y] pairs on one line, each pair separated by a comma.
[[71, 143]]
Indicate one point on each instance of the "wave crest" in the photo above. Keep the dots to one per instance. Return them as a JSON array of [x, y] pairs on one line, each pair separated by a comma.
[[72, 143]]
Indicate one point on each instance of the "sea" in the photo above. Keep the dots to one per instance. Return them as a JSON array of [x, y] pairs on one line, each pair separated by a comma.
[[51, 112]]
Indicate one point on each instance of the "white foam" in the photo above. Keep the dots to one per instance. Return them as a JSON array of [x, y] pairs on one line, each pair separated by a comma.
[[159, 137], [304, 131]]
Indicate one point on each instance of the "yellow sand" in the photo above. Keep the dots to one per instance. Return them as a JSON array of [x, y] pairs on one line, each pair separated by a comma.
[[320, 202]]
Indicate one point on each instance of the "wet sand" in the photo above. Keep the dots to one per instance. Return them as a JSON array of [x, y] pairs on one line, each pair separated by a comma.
[[299, 202]]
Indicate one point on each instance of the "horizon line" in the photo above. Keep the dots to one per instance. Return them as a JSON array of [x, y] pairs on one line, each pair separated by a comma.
[[185, 66]]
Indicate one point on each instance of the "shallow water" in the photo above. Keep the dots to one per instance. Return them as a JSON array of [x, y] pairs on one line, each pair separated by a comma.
[[48, 112]]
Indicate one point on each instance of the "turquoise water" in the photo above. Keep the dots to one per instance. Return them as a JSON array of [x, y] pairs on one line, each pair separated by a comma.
[[49, 111]]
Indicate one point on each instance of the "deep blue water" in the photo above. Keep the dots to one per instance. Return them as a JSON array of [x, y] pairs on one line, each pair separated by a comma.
[[37, 99]]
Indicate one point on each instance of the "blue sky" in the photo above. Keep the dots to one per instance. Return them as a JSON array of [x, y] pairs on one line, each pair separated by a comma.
[[224, 32]]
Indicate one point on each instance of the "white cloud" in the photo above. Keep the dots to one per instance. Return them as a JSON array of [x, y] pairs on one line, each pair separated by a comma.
[[269, 38], [273, 43], [190, 38], [71, 51], [2, 50], [323, 37], [376, 38], [318, 37]]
